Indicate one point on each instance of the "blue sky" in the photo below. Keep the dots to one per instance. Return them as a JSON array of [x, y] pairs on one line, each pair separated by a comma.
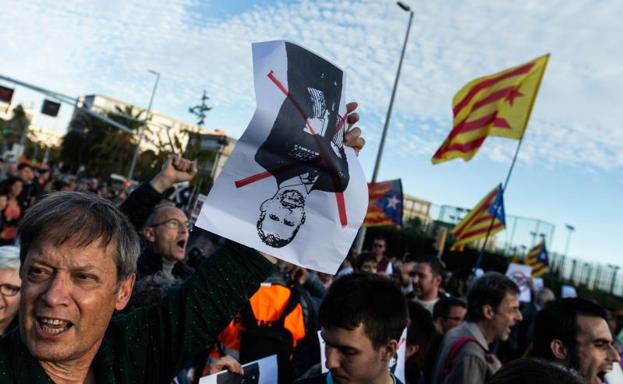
[[570, 168]]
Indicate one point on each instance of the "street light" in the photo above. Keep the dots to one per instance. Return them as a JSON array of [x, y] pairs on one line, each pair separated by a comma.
[[405, 7], [142, 127], [570, 228]]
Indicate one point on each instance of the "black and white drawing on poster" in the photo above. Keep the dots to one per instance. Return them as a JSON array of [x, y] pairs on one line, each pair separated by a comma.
[[263, 371], [291, 188]]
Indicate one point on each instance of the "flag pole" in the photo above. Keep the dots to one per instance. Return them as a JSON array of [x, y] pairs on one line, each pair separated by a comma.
[[508, 176]]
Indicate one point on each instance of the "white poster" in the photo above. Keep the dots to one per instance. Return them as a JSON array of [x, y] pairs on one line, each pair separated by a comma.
[[263, 371], [291, 188], [521, 275]]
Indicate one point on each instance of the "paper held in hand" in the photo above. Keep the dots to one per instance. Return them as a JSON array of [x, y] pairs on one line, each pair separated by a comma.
[[291, 188]]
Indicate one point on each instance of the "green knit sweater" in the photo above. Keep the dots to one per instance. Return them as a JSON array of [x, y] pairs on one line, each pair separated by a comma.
[[152, 344]]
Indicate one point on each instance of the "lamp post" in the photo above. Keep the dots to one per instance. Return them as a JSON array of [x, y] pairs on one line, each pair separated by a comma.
[[570, 228], [405, 7], [379, 154], [142, 127], [614, 277]]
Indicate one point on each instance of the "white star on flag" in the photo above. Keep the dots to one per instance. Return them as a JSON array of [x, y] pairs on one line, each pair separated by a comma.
[[393, 202]]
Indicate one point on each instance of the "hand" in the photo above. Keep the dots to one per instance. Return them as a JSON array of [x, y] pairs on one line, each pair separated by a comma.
[[174, 170], [226, 362], [270, 258], [299, 274], [353, 138]]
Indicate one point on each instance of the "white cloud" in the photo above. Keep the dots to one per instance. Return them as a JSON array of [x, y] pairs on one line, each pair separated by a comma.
[[83, 46]]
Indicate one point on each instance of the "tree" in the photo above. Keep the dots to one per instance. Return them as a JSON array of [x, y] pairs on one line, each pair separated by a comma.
[[201, 109]]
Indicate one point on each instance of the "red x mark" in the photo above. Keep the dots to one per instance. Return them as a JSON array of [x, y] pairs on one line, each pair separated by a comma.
[[339, 196]]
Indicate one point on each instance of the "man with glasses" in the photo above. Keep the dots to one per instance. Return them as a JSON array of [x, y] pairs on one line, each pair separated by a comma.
[[10, 284], [448, 313], [165, 228], [383, 265], [492, 309]]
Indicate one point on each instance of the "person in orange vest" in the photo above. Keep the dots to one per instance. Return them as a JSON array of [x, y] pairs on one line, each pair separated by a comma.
[[273, 323]]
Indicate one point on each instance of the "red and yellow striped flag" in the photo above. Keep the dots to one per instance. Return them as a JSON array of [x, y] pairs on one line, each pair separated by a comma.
[[495, 105], [488, 213]]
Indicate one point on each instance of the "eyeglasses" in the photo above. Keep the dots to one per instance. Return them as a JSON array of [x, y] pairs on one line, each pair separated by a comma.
[[9, 289], [174, 224], [378, 245]]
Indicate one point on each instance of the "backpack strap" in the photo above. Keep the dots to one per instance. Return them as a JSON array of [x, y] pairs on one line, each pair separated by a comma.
[[293, 301], [456, 347], [247, 317]]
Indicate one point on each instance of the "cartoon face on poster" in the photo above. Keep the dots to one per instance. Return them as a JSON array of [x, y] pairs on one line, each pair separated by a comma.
[[291, 188]]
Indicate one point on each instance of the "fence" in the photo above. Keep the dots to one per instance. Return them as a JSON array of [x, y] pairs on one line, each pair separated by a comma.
[[521, 234]]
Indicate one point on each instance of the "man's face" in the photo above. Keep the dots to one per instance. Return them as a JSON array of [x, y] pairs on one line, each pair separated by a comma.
[[369, 266], [352, 358], [281, 217], [69, 294], [505, 316], [26, 174], [425, 284], [9, 295], [456, 316], [168, 234], [594, 354], [378, 247]]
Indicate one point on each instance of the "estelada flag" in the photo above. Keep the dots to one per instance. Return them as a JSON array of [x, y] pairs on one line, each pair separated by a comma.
[[385, 204], [537, 258], [478, 221], [495, 105]]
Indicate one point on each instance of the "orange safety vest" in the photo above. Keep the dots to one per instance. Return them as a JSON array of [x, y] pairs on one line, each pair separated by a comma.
[[267, 304]]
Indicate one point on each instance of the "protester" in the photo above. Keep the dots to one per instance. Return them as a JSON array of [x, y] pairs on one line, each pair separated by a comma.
[[535, 371], [574, 333], [366, 262], [362, 318], [165, 227], [427, 280], [13, 212], [10, 284], [78, 259], [423, 341], [30, 191], [449, 313], [166, 234], [492, 309], [383, 265]]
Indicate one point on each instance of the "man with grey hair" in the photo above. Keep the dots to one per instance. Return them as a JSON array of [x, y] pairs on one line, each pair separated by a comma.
[[79, 257], [10, 284], [492, 309]]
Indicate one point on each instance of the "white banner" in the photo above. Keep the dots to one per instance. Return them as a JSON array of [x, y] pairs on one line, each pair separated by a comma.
[[291, 188], [521, 275]]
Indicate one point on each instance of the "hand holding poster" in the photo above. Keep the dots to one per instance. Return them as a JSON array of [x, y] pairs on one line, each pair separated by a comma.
[[263, 371], [291, 188]]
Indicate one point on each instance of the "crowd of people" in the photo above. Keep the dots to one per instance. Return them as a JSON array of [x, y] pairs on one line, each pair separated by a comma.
[[102, 285]]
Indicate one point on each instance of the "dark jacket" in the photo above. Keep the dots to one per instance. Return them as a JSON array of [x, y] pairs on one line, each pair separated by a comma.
[[152, 344]]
